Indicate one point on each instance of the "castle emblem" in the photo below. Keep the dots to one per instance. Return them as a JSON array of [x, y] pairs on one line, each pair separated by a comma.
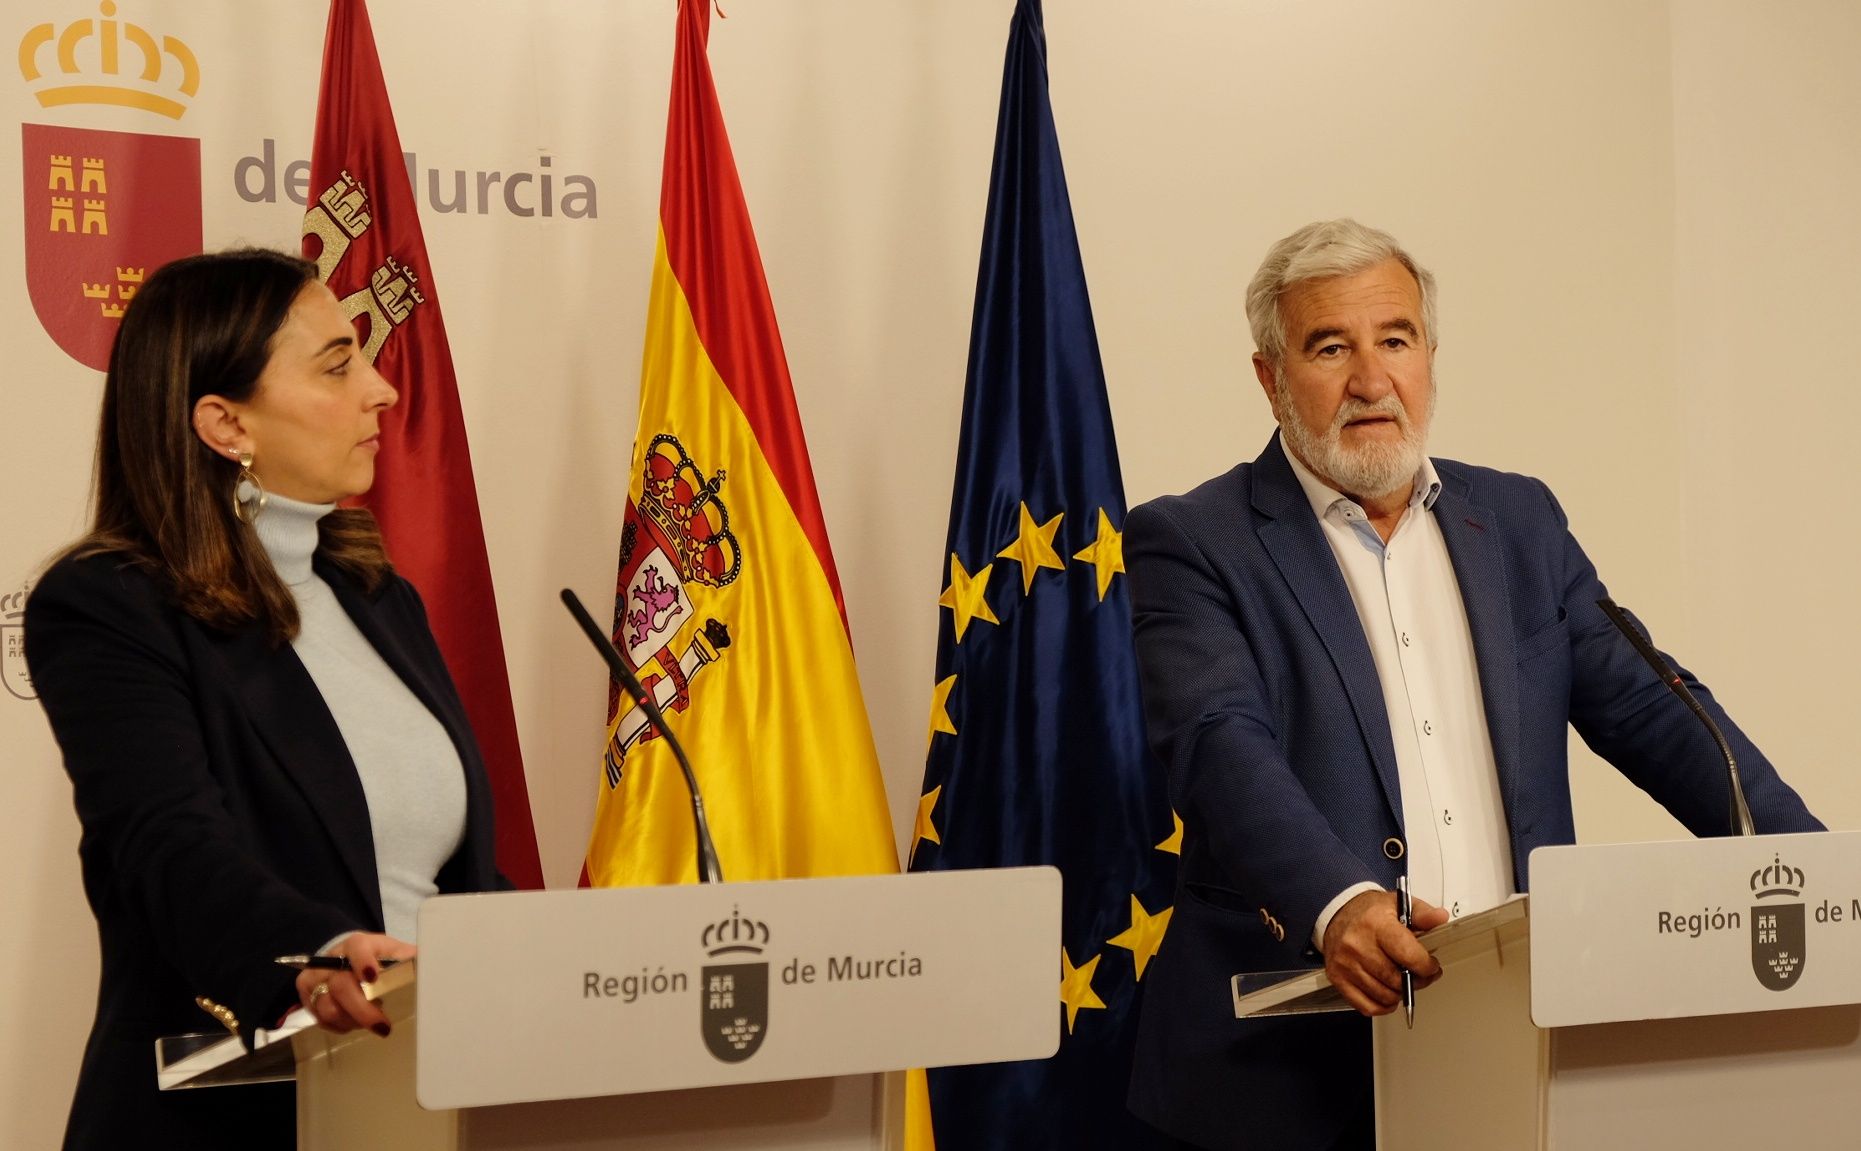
[[339, 218], [104, 209], [676, 543], [1777, 934], [735, 1016], [13, 644]]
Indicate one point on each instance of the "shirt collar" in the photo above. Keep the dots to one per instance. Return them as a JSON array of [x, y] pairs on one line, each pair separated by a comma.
[[1322, 496]]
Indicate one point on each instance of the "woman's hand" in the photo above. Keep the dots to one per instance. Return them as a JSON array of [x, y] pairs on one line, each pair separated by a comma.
[[334, 998]]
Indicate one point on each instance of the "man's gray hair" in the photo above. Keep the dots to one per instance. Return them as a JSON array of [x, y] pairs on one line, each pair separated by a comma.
[[1317, 252]]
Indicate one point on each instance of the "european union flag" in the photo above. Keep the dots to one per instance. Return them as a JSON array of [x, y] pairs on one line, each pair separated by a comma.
[[1036, 742]]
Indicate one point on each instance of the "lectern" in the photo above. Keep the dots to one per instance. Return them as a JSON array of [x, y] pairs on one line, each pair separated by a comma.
[[1698, 994], [731, 1016]]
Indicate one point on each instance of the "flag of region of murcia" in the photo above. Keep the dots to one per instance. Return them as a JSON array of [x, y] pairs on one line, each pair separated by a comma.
[[104, 209]]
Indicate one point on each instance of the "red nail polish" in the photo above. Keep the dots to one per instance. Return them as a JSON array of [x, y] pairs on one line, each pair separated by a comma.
[[369, 974], [380, 1029]]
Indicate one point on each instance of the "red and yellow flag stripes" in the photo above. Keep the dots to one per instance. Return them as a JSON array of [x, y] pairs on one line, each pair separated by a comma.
[[727, 601]]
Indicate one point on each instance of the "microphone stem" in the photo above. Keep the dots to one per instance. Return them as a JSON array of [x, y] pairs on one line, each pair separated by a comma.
[[1741, 811], [708, 869]]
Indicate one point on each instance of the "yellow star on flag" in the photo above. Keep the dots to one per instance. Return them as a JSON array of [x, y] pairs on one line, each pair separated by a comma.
[[1033, 548], [1174, 844], [940, 715], [1076, 987], [1144, 935], [1106, 553], [964, 596], [923, 828]]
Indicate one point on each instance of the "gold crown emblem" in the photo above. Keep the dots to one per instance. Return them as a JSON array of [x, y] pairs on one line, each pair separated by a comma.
[[89, 55], [686, 506]]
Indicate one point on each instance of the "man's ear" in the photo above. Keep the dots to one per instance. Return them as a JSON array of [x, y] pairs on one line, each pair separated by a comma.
[[216, 422], [1263, 371]]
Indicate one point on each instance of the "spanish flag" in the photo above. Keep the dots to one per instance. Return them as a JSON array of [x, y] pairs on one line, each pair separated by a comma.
[[727, 603]]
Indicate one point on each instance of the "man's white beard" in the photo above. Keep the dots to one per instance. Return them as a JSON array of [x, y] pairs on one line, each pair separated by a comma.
[[1375, 469]]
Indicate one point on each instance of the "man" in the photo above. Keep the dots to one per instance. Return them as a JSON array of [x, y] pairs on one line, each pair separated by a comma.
[[1359, 664]]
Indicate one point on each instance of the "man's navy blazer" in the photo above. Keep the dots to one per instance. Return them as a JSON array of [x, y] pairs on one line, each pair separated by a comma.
[[1262, 699], [223, 823]]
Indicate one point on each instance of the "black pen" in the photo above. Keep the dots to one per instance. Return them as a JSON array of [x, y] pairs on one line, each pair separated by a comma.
[[1406, 912], [323, 962]]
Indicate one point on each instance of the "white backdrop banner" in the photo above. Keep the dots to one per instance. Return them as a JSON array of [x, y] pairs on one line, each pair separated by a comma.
[[149, 129], [861, 132]]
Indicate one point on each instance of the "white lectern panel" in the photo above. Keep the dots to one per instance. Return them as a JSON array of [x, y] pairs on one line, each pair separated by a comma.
[[1695, 927], [565, 994]]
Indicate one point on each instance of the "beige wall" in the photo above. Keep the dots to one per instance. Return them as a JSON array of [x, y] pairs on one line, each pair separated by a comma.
[[1640, 214], [1768, 179]]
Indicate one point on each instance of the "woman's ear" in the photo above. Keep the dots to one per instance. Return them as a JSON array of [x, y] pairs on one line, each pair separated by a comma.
[[216, 422]]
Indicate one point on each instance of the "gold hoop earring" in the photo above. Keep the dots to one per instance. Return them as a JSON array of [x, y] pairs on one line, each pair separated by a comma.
[[249, 496]]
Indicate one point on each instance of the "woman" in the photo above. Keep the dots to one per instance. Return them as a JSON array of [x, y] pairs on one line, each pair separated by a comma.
[[267, 754]]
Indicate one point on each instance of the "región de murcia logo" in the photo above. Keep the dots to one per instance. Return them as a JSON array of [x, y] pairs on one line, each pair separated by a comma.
[[1777, 933], [736, 995], [13, 644]]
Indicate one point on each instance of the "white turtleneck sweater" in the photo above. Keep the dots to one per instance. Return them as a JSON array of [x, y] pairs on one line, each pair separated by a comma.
[[409, 768]]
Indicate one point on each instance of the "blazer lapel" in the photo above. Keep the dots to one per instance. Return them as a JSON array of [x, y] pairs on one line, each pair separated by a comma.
[[393, 651], [1472, 535], [1296, 541], [427, 680], [291, 718]]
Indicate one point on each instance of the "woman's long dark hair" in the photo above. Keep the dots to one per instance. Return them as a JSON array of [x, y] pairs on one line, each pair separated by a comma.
[[203, 325]]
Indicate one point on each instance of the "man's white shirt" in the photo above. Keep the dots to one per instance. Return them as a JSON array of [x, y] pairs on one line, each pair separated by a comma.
[[1457, 847]]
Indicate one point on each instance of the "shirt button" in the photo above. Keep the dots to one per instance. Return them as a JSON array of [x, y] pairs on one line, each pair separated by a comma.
[[1405, 639], [1392, 848], [1456, 909], [1428, 727], [1447, 816]]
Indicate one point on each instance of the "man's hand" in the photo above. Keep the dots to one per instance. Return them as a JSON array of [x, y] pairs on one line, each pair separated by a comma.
[[1367, 949]]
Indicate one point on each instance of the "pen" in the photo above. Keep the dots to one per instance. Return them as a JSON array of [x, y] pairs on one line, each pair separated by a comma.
[[1405, 911], [323, 962]]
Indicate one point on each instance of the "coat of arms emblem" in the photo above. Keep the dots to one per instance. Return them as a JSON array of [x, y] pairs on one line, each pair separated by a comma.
[[104, 209], [735, 1018], [13, 645], [676, 543], [1777, 934]]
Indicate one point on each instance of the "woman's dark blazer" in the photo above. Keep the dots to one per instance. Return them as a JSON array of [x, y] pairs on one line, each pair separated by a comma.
[[223, 824]]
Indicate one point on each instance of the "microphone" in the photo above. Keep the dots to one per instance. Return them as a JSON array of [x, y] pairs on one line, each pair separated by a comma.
[[708, 870], [1741, 813]]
